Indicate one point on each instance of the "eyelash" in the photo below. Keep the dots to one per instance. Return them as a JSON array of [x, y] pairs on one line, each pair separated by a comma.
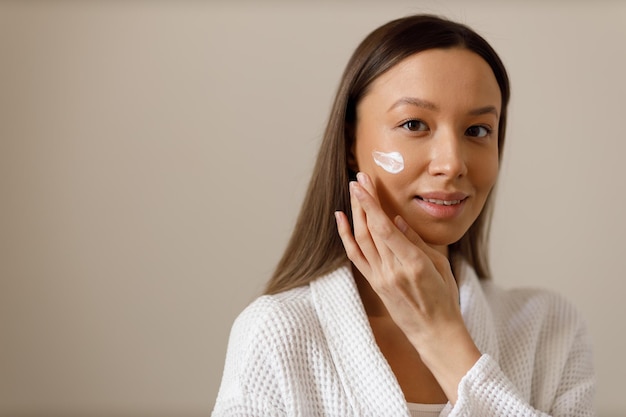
[[405, 125], [488, 130]]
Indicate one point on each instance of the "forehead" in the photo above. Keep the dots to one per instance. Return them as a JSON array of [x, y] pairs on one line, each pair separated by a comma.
[[439, 75]]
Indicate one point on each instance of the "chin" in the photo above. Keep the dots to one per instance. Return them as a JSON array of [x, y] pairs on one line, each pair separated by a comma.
[[436, 237]]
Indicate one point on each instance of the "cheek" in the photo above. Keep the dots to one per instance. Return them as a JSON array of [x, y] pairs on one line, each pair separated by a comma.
[[392, 180], [485, 173], [393, 168], [392, 162]]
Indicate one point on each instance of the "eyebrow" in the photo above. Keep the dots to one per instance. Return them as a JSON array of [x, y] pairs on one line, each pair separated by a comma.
[[414, 101], [429, 105], [484, 110]]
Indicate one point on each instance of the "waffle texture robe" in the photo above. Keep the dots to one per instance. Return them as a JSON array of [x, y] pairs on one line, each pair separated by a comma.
[[311, 352]]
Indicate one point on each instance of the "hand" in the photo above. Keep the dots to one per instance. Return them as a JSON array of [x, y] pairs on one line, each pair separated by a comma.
[[415, 283]]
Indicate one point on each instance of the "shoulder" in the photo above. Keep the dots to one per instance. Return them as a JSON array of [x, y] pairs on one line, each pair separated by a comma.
[[257, 363], [534, 310], [529, 300], [275, 319]]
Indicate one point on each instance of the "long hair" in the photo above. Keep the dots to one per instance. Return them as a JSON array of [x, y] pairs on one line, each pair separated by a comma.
[[315, 247]]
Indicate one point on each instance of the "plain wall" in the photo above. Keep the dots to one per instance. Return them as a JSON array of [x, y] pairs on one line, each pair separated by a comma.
[[153, 157]]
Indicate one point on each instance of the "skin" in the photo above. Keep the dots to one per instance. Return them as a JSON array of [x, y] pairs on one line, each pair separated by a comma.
[[440, 109]]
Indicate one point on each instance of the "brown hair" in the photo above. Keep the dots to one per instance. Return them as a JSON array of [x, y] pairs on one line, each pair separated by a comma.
[[315, 247]]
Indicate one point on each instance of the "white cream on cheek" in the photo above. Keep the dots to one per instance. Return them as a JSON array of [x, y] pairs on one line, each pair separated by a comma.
[[392, 162]]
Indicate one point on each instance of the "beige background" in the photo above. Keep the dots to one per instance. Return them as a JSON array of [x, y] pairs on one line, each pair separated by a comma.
[[153, 156]]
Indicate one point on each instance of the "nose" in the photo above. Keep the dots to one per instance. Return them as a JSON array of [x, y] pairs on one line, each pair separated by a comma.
[[447, 156]]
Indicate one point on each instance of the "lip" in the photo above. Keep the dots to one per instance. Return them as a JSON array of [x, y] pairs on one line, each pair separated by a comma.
[[443, 205]]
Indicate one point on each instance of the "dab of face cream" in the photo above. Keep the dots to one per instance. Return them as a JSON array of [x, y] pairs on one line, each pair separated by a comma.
[[391, 162]]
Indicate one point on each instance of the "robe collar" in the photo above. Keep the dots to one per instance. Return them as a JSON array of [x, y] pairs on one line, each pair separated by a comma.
[[365, 374]]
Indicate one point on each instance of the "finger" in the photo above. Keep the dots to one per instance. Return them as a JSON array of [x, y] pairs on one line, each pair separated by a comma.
[[362, 234], [437, 258], [365, 181], [353, 251], [410, 234], [413, 237], [376, 220], [379, 224], [369, 186], [391, 241]]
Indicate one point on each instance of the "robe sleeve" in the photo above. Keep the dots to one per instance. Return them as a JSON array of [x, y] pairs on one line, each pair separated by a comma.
[[487, 392]]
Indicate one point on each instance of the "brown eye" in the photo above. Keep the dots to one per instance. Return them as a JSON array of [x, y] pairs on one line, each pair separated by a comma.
[[478, 131], [415, 125]]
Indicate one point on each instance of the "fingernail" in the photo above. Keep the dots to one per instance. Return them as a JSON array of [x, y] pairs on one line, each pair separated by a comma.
[[355, 189], [401, 224], [361, 178], [338, 217]]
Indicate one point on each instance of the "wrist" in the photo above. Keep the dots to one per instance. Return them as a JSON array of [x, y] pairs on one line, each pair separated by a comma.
[[449, 357]]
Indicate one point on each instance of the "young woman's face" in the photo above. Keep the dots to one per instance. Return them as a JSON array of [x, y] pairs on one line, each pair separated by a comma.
[[427, 135]]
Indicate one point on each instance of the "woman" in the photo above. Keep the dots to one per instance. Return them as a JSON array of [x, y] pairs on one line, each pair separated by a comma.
[[382, 303]]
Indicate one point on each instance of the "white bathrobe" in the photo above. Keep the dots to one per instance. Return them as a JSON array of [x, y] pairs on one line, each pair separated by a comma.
[[310, 352]]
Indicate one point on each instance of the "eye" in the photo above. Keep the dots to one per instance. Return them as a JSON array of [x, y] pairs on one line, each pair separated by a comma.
[[414, 125], [478, 131]]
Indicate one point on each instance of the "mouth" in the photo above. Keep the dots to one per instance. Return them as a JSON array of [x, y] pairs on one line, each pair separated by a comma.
[[441, 205], [441, 202]]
